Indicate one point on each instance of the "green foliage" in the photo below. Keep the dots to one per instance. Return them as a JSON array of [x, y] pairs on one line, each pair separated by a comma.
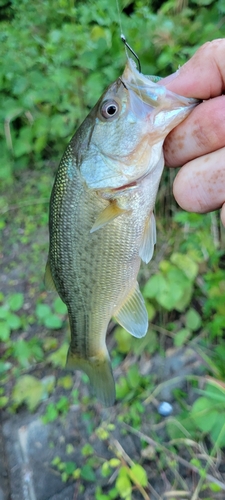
[[208, 412], [31, 391], [132, 385], [54, 410], [8, 319], [66, 469], [58, 358], [172, 286], [25, 352], [207, 416], [55, 63], [52, 319], [69, 469]]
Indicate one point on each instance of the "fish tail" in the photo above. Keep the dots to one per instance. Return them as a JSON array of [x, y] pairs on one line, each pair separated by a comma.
[[99, 371]]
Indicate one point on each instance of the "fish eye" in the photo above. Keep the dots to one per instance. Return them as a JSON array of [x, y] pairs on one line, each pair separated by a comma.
[[109, 109]]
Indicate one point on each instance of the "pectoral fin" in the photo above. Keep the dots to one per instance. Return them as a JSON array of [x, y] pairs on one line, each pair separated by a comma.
[[133, 315], [107, 215], [149, 239], [48, 279]]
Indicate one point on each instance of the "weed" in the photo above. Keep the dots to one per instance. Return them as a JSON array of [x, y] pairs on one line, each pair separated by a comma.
[[10, 321]]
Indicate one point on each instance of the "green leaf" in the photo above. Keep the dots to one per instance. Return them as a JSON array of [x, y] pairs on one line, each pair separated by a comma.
[[22, 352], [138, 475], [204, 414], [123, 339], [114, 462], [153, 286], [4, 331], [87, 450], [215, 392], [87, 473], [217, 433], [215, 487], [4, 311], [122, 388], [178, 427], [43, 311], [51, 413], [16, 301], [70, 467], [123, 483], [133, 376], [58, 358], [106, 470], [14, 321], [193, 320], [186, 264], [184, 301], [150, 310], [29, 390], [53, 321], [181, 337], [59, 306], [3, 401]]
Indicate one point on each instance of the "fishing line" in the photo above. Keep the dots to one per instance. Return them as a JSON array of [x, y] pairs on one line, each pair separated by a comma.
[[128, 47], [119, 16], [122, 36]]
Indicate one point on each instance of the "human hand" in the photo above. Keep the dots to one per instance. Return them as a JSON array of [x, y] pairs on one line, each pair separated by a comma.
[[198, 143]]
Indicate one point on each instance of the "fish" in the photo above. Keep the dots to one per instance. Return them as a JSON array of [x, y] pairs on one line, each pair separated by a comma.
[[101, 221]]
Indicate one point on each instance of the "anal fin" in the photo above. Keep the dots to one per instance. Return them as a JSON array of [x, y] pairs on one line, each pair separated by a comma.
[[149, 239], [48, 279], [107, 215], [133, 315]]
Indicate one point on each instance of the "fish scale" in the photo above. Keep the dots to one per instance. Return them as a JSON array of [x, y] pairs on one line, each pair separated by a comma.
[[101, 217]]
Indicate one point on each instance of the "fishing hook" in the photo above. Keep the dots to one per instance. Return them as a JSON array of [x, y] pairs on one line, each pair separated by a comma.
[[132, 51]]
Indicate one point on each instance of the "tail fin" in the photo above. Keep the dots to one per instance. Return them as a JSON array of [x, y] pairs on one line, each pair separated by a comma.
[[100, 374]]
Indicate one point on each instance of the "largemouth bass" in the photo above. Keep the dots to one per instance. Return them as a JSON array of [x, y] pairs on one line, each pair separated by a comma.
[[101, 216]]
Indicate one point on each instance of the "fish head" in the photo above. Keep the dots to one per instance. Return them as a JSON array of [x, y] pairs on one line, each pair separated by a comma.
[[126, 130]]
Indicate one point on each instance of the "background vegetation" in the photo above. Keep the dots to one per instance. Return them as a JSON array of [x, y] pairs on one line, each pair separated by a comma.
[[56, 59]]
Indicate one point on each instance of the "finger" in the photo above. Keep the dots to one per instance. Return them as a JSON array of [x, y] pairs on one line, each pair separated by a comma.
[[200, 185], [222, 214], [201, 133], [203, 76]]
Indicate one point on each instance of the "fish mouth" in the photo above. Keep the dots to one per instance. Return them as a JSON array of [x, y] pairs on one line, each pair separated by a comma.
[[152, 92]]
